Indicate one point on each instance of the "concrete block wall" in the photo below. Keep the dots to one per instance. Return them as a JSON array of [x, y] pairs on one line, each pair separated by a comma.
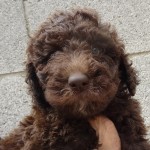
[[18, 20]]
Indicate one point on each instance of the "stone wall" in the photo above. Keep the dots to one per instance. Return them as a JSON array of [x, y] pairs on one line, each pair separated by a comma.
[[18, 20]]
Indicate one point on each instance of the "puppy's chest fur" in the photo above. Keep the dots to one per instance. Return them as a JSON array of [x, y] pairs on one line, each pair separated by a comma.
[[56, 133]]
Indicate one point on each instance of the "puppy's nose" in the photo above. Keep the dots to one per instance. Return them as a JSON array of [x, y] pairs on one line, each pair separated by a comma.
[[78, 80]]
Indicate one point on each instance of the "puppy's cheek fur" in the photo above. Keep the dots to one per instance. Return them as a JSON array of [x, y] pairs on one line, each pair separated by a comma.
[[81, 105]]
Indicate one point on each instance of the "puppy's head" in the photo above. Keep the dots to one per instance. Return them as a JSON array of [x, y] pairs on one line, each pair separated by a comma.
[[77, 65]]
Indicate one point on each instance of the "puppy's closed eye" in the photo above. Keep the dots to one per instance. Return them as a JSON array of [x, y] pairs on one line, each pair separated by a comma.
[[95, 51], [97, 73]]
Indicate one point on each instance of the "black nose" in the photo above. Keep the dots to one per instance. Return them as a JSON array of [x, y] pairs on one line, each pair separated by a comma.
[[78, 80]]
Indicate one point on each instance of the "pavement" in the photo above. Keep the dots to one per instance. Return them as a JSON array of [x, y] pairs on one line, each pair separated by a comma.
[[20, 18]]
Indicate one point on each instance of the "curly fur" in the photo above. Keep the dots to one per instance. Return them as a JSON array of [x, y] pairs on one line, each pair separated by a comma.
[[68, 42]]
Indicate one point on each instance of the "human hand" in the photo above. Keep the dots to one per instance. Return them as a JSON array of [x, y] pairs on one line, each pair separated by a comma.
[[107, 133]]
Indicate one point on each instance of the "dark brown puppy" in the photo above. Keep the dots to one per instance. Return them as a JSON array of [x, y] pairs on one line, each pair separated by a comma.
[[77, 69]]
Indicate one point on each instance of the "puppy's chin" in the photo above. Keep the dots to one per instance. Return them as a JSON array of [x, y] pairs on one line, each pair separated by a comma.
[[79, 105], [71, 111]]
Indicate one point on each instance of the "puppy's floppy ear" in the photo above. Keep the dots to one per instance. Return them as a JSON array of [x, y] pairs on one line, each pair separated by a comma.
[[128, 75], [34, 86]]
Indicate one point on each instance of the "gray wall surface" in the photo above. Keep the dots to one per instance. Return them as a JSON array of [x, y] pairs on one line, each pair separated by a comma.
[[20, 18]]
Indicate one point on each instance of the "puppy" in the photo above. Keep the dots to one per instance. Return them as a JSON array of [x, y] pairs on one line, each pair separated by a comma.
[[77, 69]]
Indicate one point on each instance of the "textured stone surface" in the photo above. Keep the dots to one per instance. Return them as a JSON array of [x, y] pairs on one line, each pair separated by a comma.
[[130, 17], [13, 36], [14, 102], [142, 64]]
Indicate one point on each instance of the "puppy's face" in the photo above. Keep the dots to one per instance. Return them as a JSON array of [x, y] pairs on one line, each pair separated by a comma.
[[76, 64], [81, 78]]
